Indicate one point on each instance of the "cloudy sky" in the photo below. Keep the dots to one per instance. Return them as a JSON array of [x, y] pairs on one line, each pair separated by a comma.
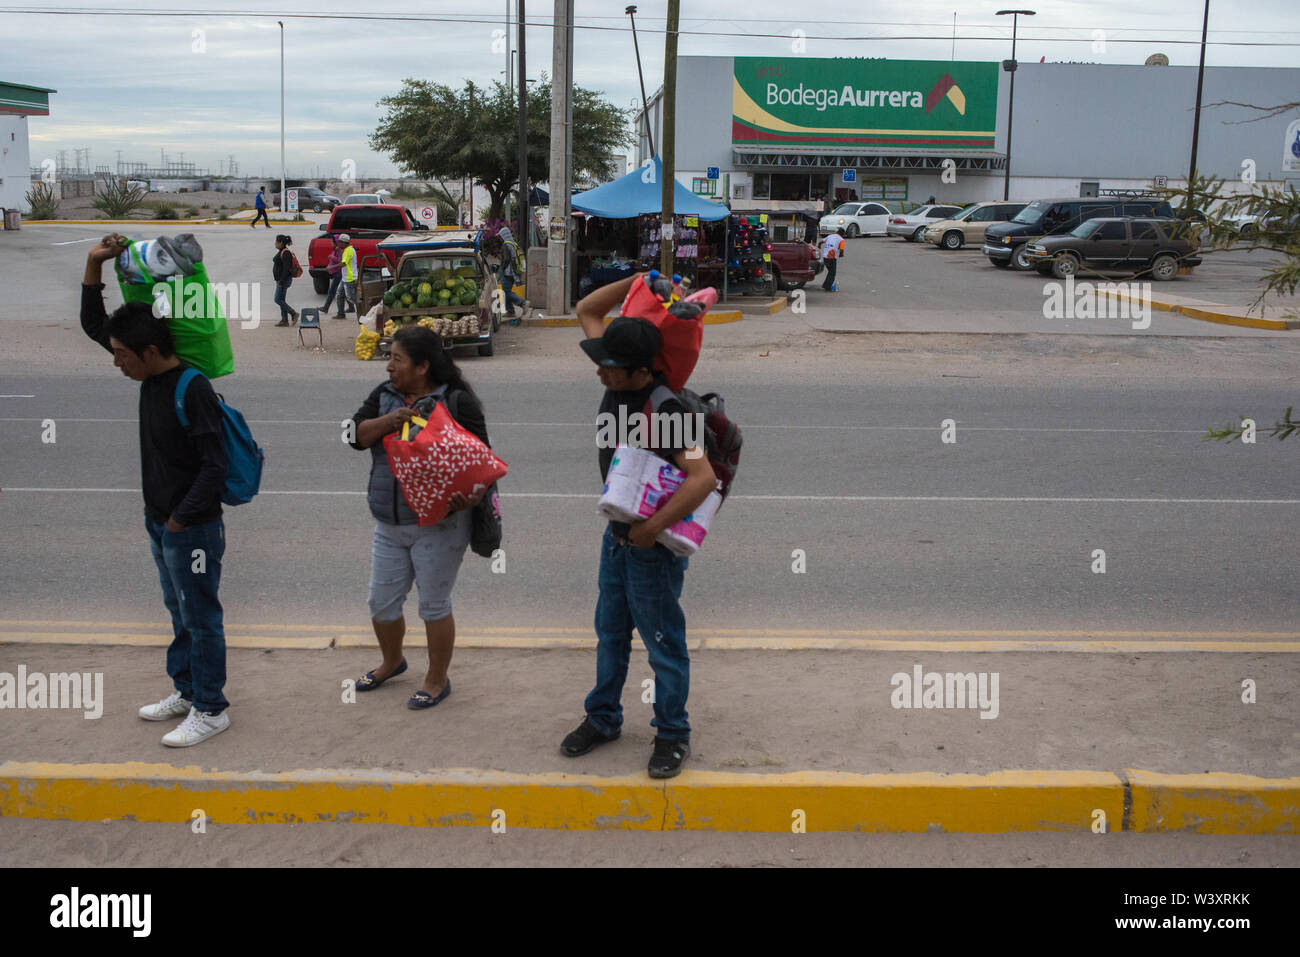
[[131, 79]]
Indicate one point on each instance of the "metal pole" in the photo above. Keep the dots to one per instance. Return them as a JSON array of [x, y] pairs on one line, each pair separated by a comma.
[[557, 248], [522, 235], [645, 110], [1011, 105], [669, 144], [1200, 80], [510, 54], [283, 198]]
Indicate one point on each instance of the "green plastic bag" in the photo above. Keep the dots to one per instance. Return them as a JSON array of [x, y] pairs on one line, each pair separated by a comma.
[[193, 314]]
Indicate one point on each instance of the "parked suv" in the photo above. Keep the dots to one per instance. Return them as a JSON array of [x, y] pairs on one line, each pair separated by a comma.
[[1157, 246], [969, 225], [309, 197], [1004, 243]]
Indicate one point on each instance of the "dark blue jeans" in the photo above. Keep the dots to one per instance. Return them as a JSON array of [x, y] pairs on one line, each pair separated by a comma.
[[281, 288], [640, 587], [335, 289], [189, 570], [508, 288]]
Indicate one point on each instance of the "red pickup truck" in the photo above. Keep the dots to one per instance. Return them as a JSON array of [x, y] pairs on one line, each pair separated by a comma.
[[365, 226], [793, 264]]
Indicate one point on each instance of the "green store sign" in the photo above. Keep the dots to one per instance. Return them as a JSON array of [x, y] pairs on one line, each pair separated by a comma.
[[908, 104]]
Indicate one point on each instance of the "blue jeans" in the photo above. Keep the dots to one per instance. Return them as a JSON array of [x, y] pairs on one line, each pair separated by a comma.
[[641, 587], [281, 288], [335, 279], [508, 288], [196, 658]]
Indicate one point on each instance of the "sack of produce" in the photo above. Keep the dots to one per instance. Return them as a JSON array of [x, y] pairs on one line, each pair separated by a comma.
[[168, 273]]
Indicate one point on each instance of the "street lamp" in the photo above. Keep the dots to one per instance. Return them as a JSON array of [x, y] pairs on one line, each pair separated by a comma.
[[645, 111], [282, 194], [1010, 67]]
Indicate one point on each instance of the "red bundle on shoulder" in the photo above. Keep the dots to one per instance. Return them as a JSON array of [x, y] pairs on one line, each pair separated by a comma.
[[681, 336]]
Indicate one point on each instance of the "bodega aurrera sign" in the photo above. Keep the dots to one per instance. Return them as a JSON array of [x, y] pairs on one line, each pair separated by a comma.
[[921, 104]]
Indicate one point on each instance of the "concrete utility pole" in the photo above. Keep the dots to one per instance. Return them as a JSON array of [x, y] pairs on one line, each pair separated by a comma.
[[522, 235], [668, 139], [557, 249]]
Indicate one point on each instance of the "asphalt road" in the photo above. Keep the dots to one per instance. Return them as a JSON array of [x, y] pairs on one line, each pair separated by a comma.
[[900, 530]]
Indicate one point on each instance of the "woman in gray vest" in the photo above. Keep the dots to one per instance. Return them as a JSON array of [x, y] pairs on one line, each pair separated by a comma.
[[420, 374]]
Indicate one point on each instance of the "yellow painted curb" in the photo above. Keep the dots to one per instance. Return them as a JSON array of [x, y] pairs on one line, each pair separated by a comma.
[[1215, 803], [1231, 320], [1000, 802]]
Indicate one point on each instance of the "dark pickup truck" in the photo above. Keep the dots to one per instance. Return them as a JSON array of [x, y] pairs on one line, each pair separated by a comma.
[[365, 226]]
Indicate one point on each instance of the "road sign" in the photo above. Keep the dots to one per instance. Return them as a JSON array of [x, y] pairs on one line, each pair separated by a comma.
[[1291, 149], [429, 215], [850, 176], [291, 200], [713, 173], [1161, 182]]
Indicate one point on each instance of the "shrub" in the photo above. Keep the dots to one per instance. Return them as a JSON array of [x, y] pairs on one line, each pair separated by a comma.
[[193, 210], [117, 199], [43, 202], [164, 211]]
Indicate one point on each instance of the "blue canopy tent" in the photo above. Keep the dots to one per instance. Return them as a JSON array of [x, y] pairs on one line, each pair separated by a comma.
[[632, 196]]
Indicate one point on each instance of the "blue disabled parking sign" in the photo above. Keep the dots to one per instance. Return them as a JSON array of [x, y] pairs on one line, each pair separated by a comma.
[[850, 176], [713, 173]]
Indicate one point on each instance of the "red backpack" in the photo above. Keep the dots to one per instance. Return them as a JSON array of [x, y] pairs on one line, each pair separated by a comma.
[[295, 267], [722, 438]]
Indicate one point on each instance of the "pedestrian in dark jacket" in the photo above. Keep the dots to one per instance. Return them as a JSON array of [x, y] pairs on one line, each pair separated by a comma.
[[259, 201], [420, 374], [282, 273], [183, 470]]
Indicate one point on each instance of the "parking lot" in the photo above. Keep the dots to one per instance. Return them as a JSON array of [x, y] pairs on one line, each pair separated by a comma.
[[890, 285]]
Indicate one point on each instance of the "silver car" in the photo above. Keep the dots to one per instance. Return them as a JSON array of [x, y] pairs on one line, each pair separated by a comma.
[[912, 226]]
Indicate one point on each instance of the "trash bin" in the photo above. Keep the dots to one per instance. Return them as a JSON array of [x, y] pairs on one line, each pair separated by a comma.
[[13, 219]]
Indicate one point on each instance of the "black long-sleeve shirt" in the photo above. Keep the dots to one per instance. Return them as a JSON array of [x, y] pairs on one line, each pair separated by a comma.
[[182, 470]]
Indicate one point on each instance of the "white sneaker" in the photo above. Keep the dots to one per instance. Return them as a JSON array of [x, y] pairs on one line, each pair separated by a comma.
[[199, 726], [172, 706]]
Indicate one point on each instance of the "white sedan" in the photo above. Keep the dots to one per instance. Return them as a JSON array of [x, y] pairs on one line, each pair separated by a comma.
[[912, 226], [856, 219]]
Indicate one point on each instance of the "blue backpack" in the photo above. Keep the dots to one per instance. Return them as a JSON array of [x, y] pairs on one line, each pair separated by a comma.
[[244, 476]]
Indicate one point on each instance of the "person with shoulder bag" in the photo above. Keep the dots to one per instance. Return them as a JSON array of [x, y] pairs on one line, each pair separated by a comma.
[[282, 271], [420, 374]]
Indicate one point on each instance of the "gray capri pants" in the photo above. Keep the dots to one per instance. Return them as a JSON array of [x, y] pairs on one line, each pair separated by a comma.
[[430, 556]]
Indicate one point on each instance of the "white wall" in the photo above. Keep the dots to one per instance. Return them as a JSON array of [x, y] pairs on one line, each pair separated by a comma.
[[15, 162]]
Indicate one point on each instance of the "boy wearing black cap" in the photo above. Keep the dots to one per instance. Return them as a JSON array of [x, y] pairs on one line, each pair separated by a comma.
[[640, 580]]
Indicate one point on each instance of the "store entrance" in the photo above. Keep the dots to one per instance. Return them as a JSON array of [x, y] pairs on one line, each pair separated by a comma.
[[792, 187]]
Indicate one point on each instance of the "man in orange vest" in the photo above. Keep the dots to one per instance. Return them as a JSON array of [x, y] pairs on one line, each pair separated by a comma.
[[832, 253]]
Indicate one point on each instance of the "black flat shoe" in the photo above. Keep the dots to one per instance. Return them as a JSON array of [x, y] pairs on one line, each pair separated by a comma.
[[584, 738], [368, 681]]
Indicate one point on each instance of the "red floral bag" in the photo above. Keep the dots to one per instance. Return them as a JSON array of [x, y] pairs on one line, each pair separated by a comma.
[[443, 458]]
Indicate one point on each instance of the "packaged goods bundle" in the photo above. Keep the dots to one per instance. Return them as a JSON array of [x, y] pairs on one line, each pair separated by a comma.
[[639, 483]]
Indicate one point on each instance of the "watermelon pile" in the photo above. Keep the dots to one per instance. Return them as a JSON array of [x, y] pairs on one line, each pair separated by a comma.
[[442, 288]]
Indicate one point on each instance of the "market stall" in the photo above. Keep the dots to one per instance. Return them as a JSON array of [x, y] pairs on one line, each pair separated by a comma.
[[619, 231]]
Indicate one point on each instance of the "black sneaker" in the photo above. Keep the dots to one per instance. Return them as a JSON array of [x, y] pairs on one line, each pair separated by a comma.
[[584, 738], [667, 760]]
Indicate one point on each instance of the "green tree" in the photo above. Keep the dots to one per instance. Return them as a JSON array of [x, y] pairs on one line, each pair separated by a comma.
[[436, 132]]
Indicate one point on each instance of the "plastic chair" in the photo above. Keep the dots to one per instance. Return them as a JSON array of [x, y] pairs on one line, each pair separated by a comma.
[[309, 318]]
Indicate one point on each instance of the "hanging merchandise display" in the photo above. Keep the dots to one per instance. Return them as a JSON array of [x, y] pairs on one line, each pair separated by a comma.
[[749, 256]]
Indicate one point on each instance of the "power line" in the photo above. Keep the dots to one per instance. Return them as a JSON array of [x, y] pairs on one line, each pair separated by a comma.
[[546, 24]]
